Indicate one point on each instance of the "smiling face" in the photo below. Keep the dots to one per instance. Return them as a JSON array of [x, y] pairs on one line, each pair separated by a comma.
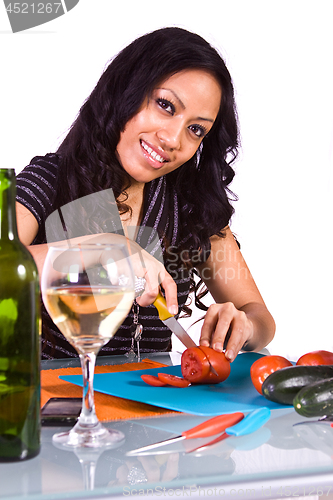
[[169, 127]]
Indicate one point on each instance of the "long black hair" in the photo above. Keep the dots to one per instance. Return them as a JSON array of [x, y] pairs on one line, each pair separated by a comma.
[[88, 153]]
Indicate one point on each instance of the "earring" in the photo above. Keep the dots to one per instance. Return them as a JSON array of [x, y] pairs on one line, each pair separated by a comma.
[[198, 156]]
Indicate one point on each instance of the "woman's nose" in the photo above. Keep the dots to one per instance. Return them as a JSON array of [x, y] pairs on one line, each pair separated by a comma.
[[170, 135]]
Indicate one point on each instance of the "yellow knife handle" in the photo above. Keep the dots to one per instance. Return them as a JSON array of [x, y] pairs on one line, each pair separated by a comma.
[[161, 306]]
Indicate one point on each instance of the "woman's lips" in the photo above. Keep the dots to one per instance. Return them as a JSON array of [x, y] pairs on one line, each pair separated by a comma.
[[157, 158]]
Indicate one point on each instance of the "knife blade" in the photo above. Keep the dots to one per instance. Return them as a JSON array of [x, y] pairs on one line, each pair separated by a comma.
[[326, 420]]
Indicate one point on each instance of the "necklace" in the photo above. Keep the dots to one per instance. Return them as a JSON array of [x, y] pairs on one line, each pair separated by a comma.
[[136, 329]]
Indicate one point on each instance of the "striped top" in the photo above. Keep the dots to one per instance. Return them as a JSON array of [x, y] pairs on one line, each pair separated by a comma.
[[163, 211]]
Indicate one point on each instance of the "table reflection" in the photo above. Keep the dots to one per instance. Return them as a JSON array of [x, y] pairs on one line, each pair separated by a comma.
[[277, 450]]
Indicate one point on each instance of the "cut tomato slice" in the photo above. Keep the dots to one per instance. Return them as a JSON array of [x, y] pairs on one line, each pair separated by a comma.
[[152, 380], [173, 380]]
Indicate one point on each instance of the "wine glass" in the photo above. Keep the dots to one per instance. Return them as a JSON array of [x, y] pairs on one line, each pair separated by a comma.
[[88, 289]]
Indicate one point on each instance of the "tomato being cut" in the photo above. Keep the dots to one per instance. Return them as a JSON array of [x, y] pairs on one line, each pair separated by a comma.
[[168, 379], [152, 380], [220, 364], [316, 358], [264, 366], [196, 365]]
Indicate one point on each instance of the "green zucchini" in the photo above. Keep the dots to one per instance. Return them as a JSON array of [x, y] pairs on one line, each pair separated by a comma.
[[315, 400], [283, 385]]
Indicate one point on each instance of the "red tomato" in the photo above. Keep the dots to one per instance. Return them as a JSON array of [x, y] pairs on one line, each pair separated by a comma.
[[219, 362], [316, 358], [173, 380], [195, 365], [152, 380], [264, 366]]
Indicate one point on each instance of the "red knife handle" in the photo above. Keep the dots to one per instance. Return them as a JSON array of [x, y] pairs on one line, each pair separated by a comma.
[[213, 426]]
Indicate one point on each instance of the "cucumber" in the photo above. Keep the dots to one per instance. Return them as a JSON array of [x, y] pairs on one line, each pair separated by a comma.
[[283, 385], [315, 400]]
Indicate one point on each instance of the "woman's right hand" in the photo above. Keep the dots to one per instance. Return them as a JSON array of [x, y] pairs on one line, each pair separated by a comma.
[[153, 271], [148, 267], [155, 275]]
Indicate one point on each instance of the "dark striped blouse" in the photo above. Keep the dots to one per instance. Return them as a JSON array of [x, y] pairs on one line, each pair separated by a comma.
[[36, 190]]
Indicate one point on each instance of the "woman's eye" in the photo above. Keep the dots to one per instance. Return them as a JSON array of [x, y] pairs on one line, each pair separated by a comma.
[[166, 105], [198, 130]]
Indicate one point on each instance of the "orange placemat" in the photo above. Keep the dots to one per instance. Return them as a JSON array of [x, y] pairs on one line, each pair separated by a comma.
[[107, 407]]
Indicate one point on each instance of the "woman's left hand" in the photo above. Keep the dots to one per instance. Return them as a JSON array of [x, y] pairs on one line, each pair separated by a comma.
[[226, 327]]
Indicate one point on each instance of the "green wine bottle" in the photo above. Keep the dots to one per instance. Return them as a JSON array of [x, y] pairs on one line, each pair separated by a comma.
[[19, 336]]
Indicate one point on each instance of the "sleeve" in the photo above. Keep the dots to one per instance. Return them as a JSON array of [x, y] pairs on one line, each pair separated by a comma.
[[36, 185]]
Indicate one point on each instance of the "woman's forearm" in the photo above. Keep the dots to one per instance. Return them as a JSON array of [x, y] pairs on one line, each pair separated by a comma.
[[263, 326], [39, 252]]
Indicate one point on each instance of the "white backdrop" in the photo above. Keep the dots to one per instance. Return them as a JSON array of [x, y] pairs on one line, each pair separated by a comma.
[[279, 53]]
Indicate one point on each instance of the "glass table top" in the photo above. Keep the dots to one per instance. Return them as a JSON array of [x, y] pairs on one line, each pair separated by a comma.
[[277, 461]]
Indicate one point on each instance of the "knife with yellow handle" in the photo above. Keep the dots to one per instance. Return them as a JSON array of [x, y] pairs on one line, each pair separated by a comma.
[[170, 321], [165, 316]]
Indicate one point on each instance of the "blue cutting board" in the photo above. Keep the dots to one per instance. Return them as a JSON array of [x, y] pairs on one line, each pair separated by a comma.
[[234, 394]]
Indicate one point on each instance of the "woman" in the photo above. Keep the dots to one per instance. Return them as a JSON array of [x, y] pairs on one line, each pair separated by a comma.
[[160, 129]]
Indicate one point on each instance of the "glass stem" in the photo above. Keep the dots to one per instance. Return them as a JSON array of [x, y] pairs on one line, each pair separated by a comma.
[[88, 459], [88, 471], [88, 416]]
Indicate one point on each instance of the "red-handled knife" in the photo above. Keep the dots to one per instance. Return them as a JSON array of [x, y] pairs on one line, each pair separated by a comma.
[[208, 428]]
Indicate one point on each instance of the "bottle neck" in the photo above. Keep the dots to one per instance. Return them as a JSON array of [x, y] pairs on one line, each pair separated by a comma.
[[8, 228]]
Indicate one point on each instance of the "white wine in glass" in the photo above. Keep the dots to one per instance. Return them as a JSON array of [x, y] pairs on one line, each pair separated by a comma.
[[88, 290]]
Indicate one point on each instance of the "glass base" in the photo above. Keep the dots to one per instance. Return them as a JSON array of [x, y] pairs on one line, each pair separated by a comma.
[[95, 437]]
